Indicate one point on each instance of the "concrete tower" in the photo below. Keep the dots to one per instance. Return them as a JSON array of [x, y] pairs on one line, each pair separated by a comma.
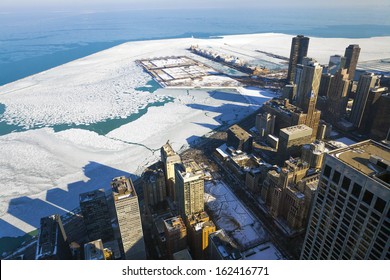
[[350, 214], [96, 215], [351, 59], [129, 219], [366, 83], [189, 188]]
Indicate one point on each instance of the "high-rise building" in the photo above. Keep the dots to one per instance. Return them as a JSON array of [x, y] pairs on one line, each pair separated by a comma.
[[153, 181], [314, 153], [287, 115], [337, 97], [169, 158], [307, 79], [299, 48], [265, 124], [96, 215], [324, 88], [351, 59], [199, 227], [239, 139], [289, 92], [366, 83], [52, 240], [289, 193], [350, 215], [336, 63], [129, 219], [189, 188], [369, 112], [175, 234], [380, 127], [291, 140]]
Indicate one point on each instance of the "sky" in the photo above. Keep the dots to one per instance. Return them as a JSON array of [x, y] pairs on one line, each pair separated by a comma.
[[14, 5]]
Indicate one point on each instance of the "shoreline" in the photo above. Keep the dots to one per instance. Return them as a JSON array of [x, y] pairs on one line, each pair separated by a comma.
[[52, 168]]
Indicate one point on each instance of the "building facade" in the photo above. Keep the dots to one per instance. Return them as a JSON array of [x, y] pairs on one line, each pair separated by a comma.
[[96, 215], [291, 140], [199, 227], [153, 183], [129, 219], [52, 240], [299, 48], [175, 234], [350, 216], [351, 59], [365, 84], [169, 158], [189, 188], [239, 139]]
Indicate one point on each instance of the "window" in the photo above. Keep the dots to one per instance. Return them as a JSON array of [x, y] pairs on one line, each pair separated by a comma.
[[346, 183], [356, 190], [380, 204], [367, 197], [327, 170], [336, 177]]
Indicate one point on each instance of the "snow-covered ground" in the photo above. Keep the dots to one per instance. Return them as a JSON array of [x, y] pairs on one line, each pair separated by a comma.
[[42, 172], [229, 214]]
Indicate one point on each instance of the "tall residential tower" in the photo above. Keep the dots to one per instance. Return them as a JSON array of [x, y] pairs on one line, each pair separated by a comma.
[[299, 47]]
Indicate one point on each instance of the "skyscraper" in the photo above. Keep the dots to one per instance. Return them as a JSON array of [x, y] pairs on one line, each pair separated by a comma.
[[336, 63], [351, 59], [52, 240], [350, 217], [299, 47], [169, 157], [307, 79], [175, 234], [129, 219], [96, 215], [337, 98], [326, 80], [199, 227], [381, 121], [366, 83], [154, 186], [369, 112], [189, 188]]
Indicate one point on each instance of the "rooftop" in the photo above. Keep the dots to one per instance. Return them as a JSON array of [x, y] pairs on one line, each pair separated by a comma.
[[168, 149], [296, 128], [94, 250], [92, 195], [369, 157], [239, 132], [174, 223], [123, 187], [190, 171]]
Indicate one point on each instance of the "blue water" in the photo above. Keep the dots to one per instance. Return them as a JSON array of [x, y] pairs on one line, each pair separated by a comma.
[[33, 42]]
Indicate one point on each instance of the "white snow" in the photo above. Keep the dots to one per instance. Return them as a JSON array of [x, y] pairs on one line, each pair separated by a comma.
[[43, 172], [230, 215]]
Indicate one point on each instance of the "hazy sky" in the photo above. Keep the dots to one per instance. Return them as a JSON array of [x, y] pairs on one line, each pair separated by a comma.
[[146, 4]]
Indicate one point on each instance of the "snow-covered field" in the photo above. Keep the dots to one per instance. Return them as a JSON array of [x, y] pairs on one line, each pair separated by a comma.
[[42, 172]]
